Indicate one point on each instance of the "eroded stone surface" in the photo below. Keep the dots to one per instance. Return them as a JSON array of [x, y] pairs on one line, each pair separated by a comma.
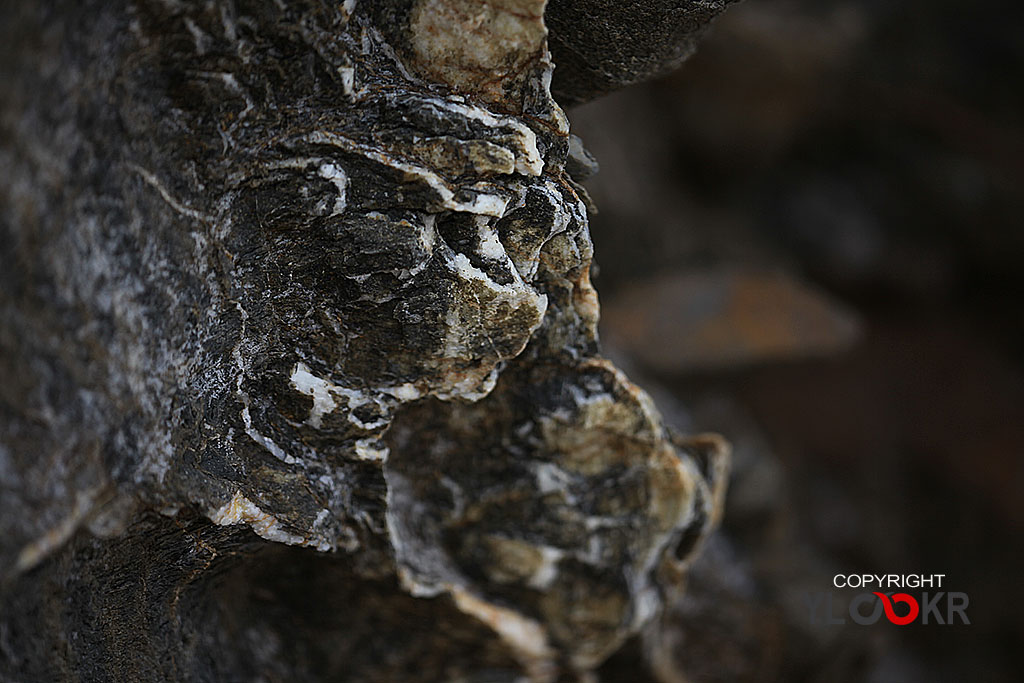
[[317, 269]]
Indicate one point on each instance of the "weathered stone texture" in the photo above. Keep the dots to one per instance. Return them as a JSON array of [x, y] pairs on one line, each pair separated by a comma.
[[315, 268]]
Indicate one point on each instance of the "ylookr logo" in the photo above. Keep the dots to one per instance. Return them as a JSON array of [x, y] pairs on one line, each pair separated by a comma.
[[867, 608]]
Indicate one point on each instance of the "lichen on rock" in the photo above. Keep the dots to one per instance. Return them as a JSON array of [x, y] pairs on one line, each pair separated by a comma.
[[317, 269]]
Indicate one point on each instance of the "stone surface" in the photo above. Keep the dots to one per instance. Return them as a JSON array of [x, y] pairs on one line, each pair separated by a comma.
[[603, 45], [315, 270]]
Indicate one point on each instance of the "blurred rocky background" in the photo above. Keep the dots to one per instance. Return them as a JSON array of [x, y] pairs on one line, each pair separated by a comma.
[[810, 238]]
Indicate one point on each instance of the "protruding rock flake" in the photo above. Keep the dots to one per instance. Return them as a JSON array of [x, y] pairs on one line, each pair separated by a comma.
[[241, 510], [325, 274]]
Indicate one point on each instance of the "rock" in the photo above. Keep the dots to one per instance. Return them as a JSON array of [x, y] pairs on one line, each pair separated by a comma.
[[313, 270], [603, 45], [726, 317]]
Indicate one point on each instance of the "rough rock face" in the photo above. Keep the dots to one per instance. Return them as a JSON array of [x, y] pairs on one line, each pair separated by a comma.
[[315, 269], [603, 45]]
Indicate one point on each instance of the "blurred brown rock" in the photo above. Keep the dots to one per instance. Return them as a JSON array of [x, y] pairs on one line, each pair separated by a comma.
[[725, 317]]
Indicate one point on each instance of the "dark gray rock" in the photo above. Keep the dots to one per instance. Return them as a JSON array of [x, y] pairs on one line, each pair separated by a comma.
[[603, 45], [314, 268]]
